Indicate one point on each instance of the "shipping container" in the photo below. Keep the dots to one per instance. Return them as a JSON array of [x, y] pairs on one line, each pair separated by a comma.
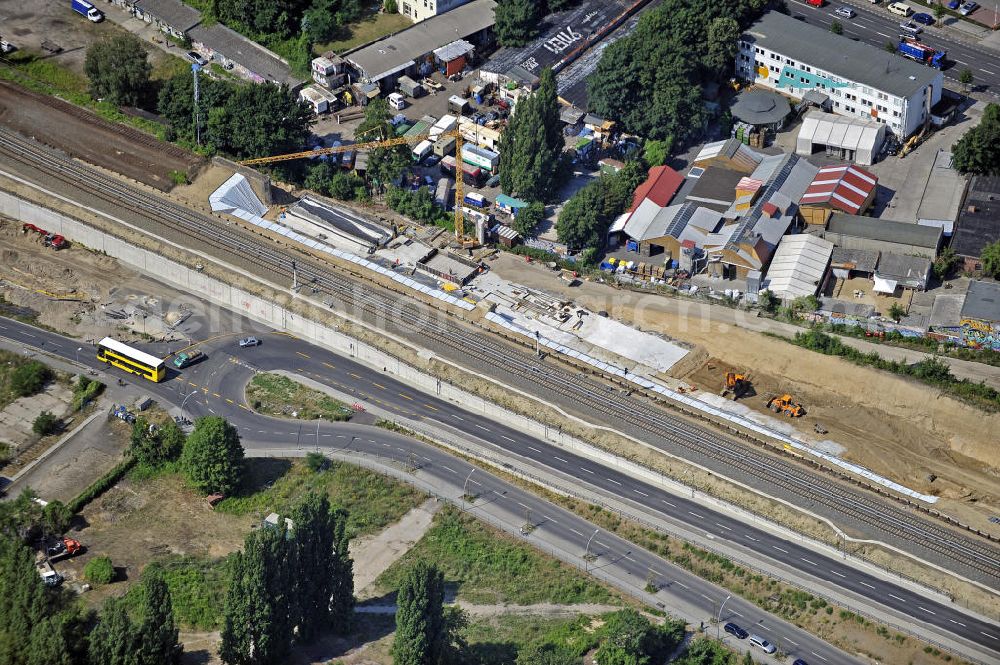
[[442, 195], [481, 157], [457, 105], [472, 175], [409, 87], [475, 199], [444, 146]]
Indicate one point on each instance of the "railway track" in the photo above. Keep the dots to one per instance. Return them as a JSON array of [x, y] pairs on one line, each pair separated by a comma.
[[877, 513]]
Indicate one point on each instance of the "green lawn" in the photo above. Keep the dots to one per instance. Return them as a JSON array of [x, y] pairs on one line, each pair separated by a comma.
[[364, 31], [278, 395], [487, 566], [497, 640], [197, 590], [372, 501]]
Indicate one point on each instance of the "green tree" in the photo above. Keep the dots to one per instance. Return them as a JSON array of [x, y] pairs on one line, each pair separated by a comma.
[[45, 423], [213, 456], [319, 176], [938, 12], [768, 301], [837, 28], [99, 570], [629, 638], [528, 219], [581, 223], [259, 119], [965, 78], [118, 69], [890, 46], [619, 188], [723, 38], [385, 165], [896, 312], [56, 518], [990, 258], [517, 21], [29, 378], [945, 263], [317, 462], [257, 617], [24, 603], [747, 658], [342, 186], [390, 7], [420, 625], [978, 152], [48, 643], [113, 640], [531, 146], [704, 651], [656, 153], [547, 654], [157, 636]]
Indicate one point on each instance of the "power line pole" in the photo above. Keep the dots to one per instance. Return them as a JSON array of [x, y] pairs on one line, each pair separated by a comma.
[[195, 68]]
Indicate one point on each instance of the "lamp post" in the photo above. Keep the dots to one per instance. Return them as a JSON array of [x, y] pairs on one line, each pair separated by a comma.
[[184, 401], [78, 350], [586, 555], [465, 487], [718, 619]]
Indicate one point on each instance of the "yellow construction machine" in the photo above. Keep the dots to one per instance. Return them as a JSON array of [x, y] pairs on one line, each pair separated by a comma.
[[784, 404], [735, 385]]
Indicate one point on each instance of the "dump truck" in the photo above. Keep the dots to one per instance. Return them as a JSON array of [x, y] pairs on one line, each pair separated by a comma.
[[734, 385], [785, 405], [915, 50], [187, 358], [64, 548]]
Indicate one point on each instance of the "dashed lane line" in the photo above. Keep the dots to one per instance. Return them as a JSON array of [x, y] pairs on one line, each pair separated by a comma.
[[405, 396], [701, 517], [485, 429], [641, 493], [586, 469], [449, 468], [958, 623], [870, 586], [672, 505], [431, 407], [560, 459], [612, 480], [811, 563], [919, 607], [378, 385], [897, 597], [576, 532], [535, 449], [301, 354], [722, 526], [328, 365], [839, 574], [780, 549], [507, 438]]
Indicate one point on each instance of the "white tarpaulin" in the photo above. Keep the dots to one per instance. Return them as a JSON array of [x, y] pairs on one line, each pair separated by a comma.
[[883, 285]]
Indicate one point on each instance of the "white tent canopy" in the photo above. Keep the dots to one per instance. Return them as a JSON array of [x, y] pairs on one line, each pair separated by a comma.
[[883, 285], [853, 138], [798, 266]]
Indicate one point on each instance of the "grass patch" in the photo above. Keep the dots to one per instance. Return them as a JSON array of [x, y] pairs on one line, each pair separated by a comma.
[[487, 566], [198, 588], [363, 31], [277, 395], [497, 640], [372, 501], [18, 374]]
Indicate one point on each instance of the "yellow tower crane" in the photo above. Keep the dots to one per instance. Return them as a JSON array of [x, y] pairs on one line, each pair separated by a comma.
[[386, 143]]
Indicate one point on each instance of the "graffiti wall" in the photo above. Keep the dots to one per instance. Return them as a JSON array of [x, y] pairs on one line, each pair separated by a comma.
[[979, 334]]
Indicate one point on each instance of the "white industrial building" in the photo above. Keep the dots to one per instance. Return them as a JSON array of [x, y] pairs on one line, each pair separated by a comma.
[[418, 10], [841, 137], [861, 80]]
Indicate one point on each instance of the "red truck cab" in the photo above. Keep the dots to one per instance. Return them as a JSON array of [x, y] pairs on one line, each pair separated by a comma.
[[816, 3]]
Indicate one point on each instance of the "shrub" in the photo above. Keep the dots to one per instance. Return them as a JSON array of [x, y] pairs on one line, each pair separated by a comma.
[[100, 486], [99, 570], [29, 378], [46, 423], [317, 462]]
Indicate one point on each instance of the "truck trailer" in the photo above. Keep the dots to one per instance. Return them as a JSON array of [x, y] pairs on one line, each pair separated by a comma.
[[914, 50], [481, 157], [84, 8]]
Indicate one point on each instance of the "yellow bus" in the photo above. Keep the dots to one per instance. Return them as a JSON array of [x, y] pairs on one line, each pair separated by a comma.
[[132, 360]]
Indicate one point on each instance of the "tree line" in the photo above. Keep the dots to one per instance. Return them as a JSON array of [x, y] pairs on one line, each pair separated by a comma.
[[520, 21]]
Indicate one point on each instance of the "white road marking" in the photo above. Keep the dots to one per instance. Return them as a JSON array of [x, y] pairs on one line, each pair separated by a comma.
[[701, 517], [611, 480], [682, 584], [818, 656], [561, 459], [779, 549], [485, 429], [790, 641], [576, 532], [550, 519], [986, 71], [341, 436], [455, 415], [535, 449], [881, 33], [957, 623], [709, 599], [751, 537], [925, 610], [27, 334], [638, 492], [586, 469], [811, 563], [668, 503], [992, 637], [723, 526], [897, 597], [736, 614], [630, 558], [510, 439], [839, 574], [523, 506], [868, 585], [449, 468], [960, 61]]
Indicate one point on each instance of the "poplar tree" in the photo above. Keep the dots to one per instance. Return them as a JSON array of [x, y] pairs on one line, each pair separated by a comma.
[[157, 634], [532, 144], [23, 604], [421, 631], [113, 640]]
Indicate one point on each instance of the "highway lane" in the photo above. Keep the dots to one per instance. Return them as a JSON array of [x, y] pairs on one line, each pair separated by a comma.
[[216, 386], [875, 26]]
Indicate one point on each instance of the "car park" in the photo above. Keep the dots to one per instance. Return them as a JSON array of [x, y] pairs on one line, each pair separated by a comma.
[[762, 644], [249, 341], [196, 57], [968, 8], [924, 19], [735, 630], [845, 11], [910, 27]]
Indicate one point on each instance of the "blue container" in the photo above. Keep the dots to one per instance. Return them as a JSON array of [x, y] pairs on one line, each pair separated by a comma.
[[479, 99], [673, 264], [632, 246]]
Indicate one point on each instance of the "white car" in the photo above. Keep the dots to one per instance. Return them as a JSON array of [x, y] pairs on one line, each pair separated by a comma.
[[846, 12], [249, 341], [762, 644], [910, 27]]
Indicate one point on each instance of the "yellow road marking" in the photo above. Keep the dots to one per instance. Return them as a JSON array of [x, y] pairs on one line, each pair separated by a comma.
[[217, 395], [432, 408], [192, 384], [329, 365], [244, 406], [230, 401], [404, 396], [355, 375], [378, 385], [301, 354]]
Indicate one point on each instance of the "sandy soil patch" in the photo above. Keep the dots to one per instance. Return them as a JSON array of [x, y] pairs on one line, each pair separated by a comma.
[[374, 554]]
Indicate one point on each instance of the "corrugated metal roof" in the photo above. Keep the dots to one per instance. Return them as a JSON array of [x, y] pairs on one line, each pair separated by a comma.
[[661, 185], [798, 265], [884, 230], [844, 187]]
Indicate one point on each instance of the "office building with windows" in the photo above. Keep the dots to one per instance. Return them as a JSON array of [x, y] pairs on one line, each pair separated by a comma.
[[860, 80]]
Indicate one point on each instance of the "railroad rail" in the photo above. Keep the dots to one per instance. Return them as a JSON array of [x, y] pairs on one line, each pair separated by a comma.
[[657, 425]]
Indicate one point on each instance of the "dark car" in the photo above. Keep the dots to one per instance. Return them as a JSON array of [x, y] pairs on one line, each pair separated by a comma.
[[196, 57], [432, 160], [799, 661], [925, 19], [735, 630], [954, 4]]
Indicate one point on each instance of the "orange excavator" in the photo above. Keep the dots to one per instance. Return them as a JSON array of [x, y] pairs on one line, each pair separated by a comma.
[[784, 405], [64, 548], [735, 385], [53, 240]]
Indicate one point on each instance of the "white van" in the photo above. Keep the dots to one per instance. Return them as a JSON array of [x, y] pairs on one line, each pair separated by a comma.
[[762, 644], [899, 9], [397, 101], [421, 151]]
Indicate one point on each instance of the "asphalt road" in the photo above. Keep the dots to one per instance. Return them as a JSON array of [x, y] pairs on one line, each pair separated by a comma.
[[874, 25], [215, 386]]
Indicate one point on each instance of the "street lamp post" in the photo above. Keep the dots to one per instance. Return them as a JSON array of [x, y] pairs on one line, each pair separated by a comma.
[[718, 619], [78, 350], [590, 540], [465, 487], [184, 401]]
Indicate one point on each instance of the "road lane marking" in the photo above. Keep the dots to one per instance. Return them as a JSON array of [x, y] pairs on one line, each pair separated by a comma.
[[992, 637], [723, 526], [301, 354], [576, 532], [868, 585], [640, 493], [668, 503], [535, 449], [507, 438], [217, 395], [701, 517], [957, 623], [819, 656], [682, 584], [446, 467], [192, 384], [378, 385], [925, 609], [960, 61], [614, 481], [708, 598], [561, 459], [751, 537], [230, 401], [779, 549], [811, 563], [986, 71], [524, 506], [455, 415], [839, 574], [630, 558], [485, 429], [586, 469], [329, 365], [405, 396], [897, 597], [550, 519], [881, 33], [432, 408], [790, 641], [356, 376]]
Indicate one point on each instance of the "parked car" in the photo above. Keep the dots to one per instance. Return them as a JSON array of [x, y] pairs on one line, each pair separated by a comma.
[[249, 341], [799, 661], [762, 644], [735, 630], [910, 27], [925, 19], [954, 4], [432, 160], [968, 8], [845, 11], [196, 57], [493, 181]]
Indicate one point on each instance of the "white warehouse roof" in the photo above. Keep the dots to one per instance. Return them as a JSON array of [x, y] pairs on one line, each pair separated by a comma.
[[864, 137], [798, 266]]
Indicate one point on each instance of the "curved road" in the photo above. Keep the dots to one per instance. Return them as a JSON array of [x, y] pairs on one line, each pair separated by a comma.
[[215, 386]]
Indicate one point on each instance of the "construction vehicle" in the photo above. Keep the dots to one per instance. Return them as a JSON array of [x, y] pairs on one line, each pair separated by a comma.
[[49, 576], [53, 240], [386, 143], [64, 548], [914, 49], [784, 405], [735, 385]]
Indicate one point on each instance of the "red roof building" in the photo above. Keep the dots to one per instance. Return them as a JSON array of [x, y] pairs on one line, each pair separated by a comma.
[[845, 188], [661, 185]]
